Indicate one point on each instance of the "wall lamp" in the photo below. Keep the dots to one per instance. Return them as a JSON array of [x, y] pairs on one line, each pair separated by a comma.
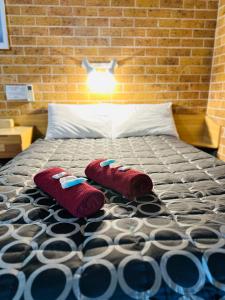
[[100, 76]]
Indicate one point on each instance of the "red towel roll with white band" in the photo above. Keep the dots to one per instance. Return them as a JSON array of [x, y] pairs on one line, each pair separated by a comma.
[[81, 200], [130, 183]]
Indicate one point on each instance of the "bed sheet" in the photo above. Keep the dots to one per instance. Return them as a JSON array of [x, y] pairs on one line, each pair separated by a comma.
[[169, 244]]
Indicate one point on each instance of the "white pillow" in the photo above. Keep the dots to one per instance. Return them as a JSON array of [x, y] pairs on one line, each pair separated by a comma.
[[77, 121], [142, 119]]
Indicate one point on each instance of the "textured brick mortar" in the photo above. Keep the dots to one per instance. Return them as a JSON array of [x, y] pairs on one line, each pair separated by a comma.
[[163, 47]]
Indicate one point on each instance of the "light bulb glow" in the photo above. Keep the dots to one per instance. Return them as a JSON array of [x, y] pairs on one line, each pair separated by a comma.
[[101, 82]]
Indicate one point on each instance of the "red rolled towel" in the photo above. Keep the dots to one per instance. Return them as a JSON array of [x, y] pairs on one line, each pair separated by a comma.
[[130, 183], [81, 200]]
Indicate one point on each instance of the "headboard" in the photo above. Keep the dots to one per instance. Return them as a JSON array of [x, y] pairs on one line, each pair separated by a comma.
[[196, 129]]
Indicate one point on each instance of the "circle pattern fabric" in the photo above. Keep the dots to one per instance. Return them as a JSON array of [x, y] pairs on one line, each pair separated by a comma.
[[169, 244]]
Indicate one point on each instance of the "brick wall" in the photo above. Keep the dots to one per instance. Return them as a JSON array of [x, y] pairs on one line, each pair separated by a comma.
[[163, 47], [216, 103]]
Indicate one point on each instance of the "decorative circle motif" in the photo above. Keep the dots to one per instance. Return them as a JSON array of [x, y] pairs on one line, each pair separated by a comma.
[[31, 191], [104, 224], [28, 220], [98, 218], [205, 258], [148, 198], [160, 245], [21, 281], [200, 245], [42, 258], [61, 219], [119, 246], [128, 212], [3, 197], [155, 206], [175, 286], [4, 264], [110, 290], [170, 194], [16, 233], [132, 292], [50, 231], [198, 219], [68, 276], [160, 222], [179, 207], [49, 201], [16, 203], [20, 210], [9, 231], [128, 224], [103, 253]]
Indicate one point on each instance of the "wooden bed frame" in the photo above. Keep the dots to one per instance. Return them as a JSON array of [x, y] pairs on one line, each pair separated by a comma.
[[196, 129]]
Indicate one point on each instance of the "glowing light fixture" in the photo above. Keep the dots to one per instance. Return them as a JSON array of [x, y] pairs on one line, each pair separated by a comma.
[[100, 76]]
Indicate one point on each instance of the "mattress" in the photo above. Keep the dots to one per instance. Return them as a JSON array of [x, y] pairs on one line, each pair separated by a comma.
[[169, 244]]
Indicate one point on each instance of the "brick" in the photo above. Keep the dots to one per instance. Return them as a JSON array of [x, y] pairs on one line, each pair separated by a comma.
[[23, 40], [73, 2], [209, 14], [110, 12], [37, 51], [25, 60], [13, 10], [147, 3], [110, 31], [98, 42], [159, 13], [46, 2], [19, 2], [145, 42], [73, 21], [97, 22], [146, 22], [203, 33], [195, 4], [35, 31], [121, 22], [71, 41], [21, 20], [133, 12], [157, 32], [84, 31], [61, 31], [33, 10], [171, 3], [181, 33], [166, 42], [133, 32], [85, 11], [14, 30], [49, 41], [60, 11], [97, 2], [48, 21], [122, 41], [122, 3], [168, 61]]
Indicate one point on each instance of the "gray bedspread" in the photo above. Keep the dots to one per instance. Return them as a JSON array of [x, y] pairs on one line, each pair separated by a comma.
[[167, 245]]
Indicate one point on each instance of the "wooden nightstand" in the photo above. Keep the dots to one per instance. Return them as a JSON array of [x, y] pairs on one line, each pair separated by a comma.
[[14, 140]]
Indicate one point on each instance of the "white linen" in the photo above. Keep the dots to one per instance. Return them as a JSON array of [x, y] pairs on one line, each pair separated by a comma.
[[109, 120], [142, 119], [77, 121]]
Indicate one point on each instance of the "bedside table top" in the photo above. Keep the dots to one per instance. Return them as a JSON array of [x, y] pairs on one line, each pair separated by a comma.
[[18, 130]]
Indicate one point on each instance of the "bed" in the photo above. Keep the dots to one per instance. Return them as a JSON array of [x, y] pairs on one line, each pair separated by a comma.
[[166, 245]]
